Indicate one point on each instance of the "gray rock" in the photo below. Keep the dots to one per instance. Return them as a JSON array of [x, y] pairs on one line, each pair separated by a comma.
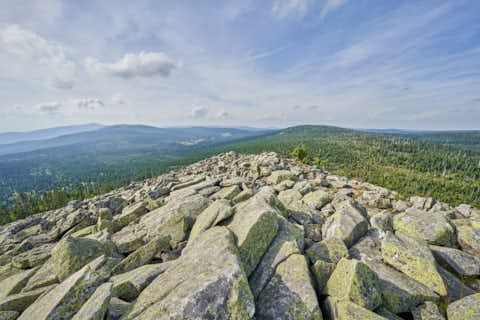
[[254, 226], [462, 263], [467, 308], [96, 306], [288, 241], [289, 294], [427, 311], [15, 283], [214, 287]]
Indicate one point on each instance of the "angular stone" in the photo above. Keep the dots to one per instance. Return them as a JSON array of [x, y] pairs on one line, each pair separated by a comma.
[[427, 311], [176, 218], [353, 280], [331, 250], [290, 293], [313, 231], [322, 271], [461, 262], [8, 315], [469, 239], [336, 309], [456, 289], [128, 286], [316, 199], [368, 248], [347, 224], [215, 286], [399, 292], [142, 255], [71, 254], [14, 284], [128, 239], [243, 196], [280, 175], [117, 308], [467, 308], [284, 185], [289, 197], [384, 312], [254, 226], [20, 301], [66, 299], [131, 213], [288, 241], [215, 213], [429, 226], [33, 258], [45, 276], [413, 257], [96, 306], [228, 193]]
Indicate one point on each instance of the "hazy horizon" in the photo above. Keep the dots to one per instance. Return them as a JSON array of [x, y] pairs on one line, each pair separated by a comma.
[[272, 64]]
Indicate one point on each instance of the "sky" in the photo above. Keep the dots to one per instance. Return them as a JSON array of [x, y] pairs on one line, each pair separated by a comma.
[[272, 63]]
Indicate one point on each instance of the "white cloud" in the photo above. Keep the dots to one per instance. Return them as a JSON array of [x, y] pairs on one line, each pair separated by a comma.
[[27, 45], [199, 112], [49, 108], [118, 99], [88, 104], [284, 8], [222, 115], [144, 64], [331, 5]]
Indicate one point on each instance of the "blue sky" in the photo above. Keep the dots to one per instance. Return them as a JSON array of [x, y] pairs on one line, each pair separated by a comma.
[[276, 63]]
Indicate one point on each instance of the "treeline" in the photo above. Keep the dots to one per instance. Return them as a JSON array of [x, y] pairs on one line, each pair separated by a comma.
[[26, 204]]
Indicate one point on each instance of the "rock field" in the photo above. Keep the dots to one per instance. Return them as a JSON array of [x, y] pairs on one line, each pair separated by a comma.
[[244, 237]]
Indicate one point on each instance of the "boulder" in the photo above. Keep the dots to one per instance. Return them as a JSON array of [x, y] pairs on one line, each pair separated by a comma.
[[71, 254], [128, 285], [8, 315], [413, 257], [142, 255], [228, 192], [456, 289], [289, 294], [33, 257], [176, 218], [347, 224], [215, 286], [330, 250], [20, 301], [336, 309], [131, 213], [429, 226], [66, 299], [316, 199], [45, 276], [288, 197], [322, 270], [461, 262], [353, 280], [467, 308], [281, 175], [399, 292], [96, 306], [427, 311], [254, 226], [218, 211], [288, 241], [469, 239], [128, 239], [117, 308], [14, 284]]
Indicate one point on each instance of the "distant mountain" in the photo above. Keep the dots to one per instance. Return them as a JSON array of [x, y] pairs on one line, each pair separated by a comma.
[[43, 134], [131, 137]]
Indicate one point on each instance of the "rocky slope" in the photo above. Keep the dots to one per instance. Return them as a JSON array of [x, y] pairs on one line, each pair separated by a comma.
[[244, 237]]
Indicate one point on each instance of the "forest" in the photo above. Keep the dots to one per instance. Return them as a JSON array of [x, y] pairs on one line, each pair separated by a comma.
[[443, 166]]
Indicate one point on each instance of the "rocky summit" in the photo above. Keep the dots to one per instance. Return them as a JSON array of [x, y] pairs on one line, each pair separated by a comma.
[[244, 237]]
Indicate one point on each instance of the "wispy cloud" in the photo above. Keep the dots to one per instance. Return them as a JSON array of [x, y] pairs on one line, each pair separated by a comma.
[[143, 64]]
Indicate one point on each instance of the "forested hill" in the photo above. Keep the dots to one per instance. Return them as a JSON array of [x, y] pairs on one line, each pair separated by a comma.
[[447, 169]]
